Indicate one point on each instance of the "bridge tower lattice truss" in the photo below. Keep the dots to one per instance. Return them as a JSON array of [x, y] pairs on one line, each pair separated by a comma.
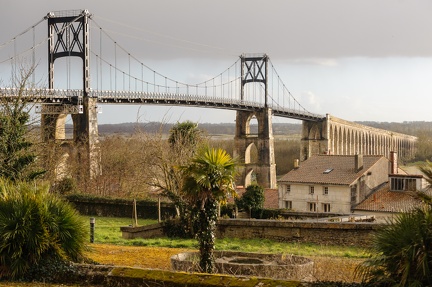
[[255, 70], [68, 33]]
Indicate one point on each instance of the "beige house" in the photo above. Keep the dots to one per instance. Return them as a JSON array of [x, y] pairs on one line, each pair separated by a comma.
[[332, 183], [394, 197]]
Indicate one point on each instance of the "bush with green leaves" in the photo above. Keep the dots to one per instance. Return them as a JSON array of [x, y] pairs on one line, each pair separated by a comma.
[[402, 251], [36, 226], [17, 155], [252, 199], [64, 186]]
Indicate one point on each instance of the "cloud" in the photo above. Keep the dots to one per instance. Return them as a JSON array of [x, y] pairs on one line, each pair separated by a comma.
[[310, 101], [328, 62]]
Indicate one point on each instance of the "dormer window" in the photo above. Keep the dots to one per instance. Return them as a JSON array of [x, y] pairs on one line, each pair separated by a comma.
[[402, 184]]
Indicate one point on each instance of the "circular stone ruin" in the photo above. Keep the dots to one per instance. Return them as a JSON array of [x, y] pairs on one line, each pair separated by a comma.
[[275, 266]]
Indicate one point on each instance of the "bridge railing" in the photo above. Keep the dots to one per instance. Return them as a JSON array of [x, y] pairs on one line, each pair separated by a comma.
[[42, 95]]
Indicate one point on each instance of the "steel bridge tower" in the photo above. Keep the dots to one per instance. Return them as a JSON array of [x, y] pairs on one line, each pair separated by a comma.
[[68, 36], [254, 69]]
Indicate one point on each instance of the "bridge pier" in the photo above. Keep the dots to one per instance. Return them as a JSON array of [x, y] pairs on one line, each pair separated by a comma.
[[86, 137], [265, 167], [83, 149], [313, 139], [68, 36]]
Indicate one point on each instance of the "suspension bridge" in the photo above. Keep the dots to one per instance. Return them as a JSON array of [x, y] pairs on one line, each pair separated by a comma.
[[110, 74]]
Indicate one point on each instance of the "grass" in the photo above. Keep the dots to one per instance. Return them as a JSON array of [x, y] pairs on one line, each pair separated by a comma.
[[107, 231]]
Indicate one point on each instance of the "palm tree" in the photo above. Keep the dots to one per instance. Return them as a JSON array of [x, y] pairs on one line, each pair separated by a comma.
[[184, 139], [185, 134], [426, 169], [209, 179], [402, 252]]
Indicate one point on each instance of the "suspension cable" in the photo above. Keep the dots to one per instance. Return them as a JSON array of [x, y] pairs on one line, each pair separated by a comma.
[[40, 43], [22, 33], [34, 57], [100, 53]]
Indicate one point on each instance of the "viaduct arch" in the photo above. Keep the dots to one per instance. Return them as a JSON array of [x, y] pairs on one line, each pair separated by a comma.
[[340, 137]]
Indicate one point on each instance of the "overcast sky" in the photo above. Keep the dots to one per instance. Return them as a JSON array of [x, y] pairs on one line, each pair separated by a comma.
[[365, 60]]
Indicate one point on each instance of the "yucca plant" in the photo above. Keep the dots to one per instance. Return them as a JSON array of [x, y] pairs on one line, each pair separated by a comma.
[[36, 226], [403, 251]]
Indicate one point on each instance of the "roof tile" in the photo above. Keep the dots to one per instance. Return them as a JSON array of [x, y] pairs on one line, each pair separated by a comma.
[[384, 200], [330, 169]]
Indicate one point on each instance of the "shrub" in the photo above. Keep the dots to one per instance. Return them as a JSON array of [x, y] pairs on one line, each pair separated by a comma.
[[36, 226], [177, 228], [403, 251], [65, 186], [252, 199]]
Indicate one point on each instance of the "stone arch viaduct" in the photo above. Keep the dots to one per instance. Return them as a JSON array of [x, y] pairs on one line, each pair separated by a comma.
[[341, 137], [331, 135]]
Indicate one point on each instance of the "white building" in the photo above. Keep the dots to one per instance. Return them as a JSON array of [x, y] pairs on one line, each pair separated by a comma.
[[332, 183]]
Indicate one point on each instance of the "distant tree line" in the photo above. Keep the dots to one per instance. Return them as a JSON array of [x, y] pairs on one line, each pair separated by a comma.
[[211, 129], [411, 128]]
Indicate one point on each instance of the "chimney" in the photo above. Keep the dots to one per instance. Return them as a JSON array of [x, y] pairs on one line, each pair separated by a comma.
[[358, 162], [296, 163], [393, 162]]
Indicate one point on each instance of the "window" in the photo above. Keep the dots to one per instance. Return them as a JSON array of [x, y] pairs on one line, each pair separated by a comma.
[[403, 184], [311, 189], [325, 190], [312, 206], [397, 184], [410, 184], [326, 207], [354, 194], [287, 189], [288, 204]]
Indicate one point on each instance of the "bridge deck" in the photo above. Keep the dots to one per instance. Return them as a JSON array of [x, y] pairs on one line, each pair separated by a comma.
[[75, 97]]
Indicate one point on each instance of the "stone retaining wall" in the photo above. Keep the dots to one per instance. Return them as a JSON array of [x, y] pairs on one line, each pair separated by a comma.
[[123, 208], [328, 233], [333, 233], [148, 231]]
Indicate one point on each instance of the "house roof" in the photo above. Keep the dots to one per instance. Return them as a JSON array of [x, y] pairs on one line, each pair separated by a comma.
[[271, 197], [330, 169], [384, 200]]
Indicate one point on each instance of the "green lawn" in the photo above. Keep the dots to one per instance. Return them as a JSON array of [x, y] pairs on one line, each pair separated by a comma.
[[107, 231]]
